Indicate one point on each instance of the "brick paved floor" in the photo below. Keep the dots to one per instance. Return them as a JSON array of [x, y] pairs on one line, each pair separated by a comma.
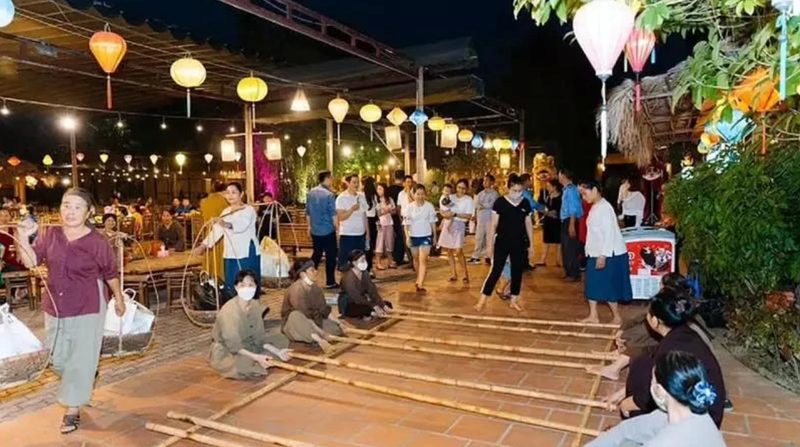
[[176, 378]]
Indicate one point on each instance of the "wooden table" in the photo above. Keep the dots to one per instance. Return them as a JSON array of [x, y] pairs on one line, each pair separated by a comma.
[[175, 261]]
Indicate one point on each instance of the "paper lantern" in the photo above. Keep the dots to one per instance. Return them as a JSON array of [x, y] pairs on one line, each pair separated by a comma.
[[449, 136], [505, 160], [477, 141], [31, 181], [300, 102], [208, 158], [238, 156], [397, 116], [6, 12], [128, 158], [370, 113], [47, 160], [227, 150], [80, 156], [338, 108], [301, 151], [108, 49], [154, 159], [13, 161], [189, 73], [465, 135], [436, 123], [514, 144], [418, 117], [273, 151], [181, 160], [497, 144], [602, 27], [637, 50], [506, 144], [394, 139], [487, 144], [252, 89]]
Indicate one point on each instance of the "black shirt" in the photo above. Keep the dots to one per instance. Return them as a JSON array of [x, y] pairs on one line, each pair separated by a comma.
[[512, 218], [394, 191]]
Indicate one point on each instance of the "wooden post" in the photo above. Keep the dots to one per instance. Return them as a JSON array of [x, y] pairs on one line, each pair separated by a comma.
[[508, 319], [249, 156], [329, 144], [505, 328]]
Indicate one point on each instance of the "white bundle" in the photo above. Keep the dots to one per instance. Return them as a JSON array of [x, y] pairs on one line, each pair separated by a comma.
[[15, 338], [136, 320]]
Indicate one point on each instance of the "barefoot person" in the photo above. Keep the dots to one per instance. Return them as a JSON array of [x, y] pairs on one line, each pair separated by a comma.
[[241, 349], [459, 212], [551, 234], [306, 316], [360, 297], [607, 269], [511, 221], [82, 269], [419, 220], [384, 244]]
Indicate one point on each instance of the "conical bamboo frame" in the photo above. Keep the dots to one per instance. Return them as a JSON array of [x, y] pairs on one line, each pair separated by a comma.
[[455, 382], [435, 400], [505, 328], [185, 434], [463, 354], [508, 319], [230, 429], [490, 346]]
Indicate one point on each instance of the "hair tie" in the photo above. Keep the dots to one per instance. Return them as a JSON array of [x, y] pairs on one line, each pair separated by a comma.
[[703, 394]]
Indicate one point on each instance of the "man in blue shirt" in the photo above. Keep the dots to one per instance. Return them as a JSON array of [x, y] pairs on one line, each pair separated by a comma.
[[527, 194], [571, 211], [321, 211]]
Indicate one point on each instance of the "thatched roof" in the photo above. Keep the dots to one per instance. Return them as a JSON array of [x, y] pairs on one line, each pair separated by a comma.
[[640, 136]]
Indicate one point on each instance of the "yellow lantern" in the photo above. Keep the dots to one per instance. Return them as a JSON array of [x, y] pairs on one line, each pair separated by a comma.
[[505, 160], [338, 108], [189, 73], [397, 116], [252, 89], [227, 150], [506, 144], [104, 158], [47, 160], [449, 136], [436, 123], [497, 144], [181, 160], [465, 135], [370, 113], [273, 151], [393, 138]]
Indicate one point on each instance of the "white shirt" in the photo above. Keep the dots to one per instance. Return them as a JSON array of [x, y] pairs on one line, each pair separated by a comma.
[[654, 430], [355, 224], [603, 237], [403, 199], [463, 205], [237, 240], [486, 199], [419, 219], [633, 205]]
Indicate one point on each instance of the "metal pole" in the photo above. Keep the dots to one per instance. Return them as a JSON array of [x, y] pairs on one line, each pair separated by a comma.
[[406, 152], [420, 129], [73, 151], [522, 139], [249, 156], [329, 144]]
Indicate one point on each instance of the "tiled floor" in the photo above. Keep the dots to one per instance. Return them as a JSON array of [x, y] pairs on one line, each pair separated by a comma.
[[335, 415]]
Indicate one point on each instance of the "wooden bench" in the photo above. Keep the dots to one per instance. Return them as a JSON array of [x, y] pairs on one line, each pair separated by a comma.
[[294, 237], [177, 281], [19, 281]]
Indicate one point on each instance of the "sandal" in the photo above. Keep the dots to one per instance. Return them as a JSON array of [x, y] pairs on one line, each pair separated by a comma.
[[70, 423]]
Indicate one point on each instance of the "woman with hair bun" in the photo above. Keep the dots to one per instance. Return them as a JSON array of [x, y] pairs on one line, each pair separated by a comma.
[[681, 389]]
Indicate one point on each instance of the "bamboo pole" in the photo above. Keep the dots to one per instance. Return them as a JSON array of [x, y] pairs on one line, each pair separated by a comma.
[[587, 412], [491, 346], [463, 354], [508, 319], [269, 388], [435, 400], [504, 328], [186, 434], [455, 382], [230, 429]]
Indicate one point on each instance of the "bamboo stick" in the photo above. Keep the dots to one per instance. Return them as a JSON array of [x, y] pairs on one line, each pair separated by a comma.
[[587, 412], [185, 434], [455, 382], [509, 319], [269, 388], [463, 354], [504, 328], [491, 346], [230, 429], [435, 400]]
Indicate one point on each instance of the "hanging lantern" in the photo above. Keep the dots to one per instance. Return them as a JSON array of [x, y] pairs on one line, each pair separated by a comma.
[[487, 144], [13, 161], [273, 151], [436, 123], [301, 151], [227, 150], [300, 102], [418, 117], [449, 136], [208, 158], [506, 144], [47, 160], [637, 50], [109, 49], [180, 158], [505, 160], [252, 89], [601, 28], [497, 144], [154, 159], [338, 108], [189, 73], [370, 113], [80, 156], [514, 144], [104, 158], [237, 156], [394, 139], [477, 141], [31, 181], [465, 135], [6, 12], [397, 116], [733, 131], [128, 158]]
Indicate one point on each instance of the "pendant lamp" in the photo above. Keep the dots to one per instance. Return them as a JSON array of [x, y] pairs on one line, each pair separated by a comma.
[[338, 108], [109, 49], [637, 50], [154, 159], [189, 73], [449, 136], [370, 113], [300, 102], [394, 139], [252, 89], [128, 158], [273, 151], [104, 158], [477, 141], [227, 150], [6, 12], [418, 117], [301, 151], [397, 116]]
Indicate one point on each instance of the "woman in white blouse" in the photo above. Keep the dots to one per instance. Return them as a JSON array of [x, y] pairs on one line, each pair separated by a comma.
[[419, 221], [238, 224], [607, 268], [460, 211], [633, 203]]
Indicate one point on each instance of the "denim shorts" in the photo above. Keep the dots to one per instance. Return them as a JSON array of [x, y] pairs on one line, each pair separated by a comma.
[[424, 241]]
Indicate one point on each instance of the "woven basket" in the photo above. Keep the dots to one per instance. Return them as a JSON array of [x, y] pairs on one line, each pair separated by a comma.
[[205, 317], [131, 344], [22, 368]]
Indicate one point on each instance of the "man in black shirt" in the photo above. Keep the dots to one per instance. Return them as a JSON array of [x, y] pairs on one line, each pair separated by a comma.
[[170, 233]]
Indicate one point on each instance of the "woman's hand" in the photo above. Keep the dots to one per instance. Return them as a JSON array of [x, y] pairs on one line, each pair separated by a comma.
[[199, 250], [27, 228], [626, 406], [119, 305], [600, 263]]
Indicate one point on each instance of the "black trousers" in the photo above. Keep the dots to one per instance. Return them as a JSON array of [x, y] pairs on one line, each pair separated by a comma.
[[505, 247], [372, 230], [399, 240], [629, 221], [570, 251], [326, 244]]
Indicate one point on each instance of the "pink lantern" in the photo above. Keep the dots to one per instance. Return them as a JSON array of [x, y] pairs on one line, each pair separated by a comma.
[[638, 48], [602, 27]]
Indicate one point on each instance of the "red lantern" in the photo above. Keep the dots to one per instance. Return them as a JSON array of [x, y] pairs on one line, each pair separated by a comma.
[[109, 49], [638, 48], [14, 161]]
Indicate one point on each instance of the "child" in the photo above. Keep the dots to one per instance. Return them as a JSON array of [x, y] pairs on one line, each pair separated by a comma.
[[445, 205]]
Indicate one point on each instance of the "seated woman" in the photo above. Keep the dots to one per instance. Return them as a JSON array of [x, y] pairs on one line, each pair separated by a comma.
[[240, 348], [680, 387], [668, 316], [306, 316], [359, 297]]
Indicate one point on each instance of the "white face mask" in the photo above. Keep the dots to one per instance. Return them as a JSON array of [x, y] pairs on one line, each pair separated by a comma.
[[246, 293], [308, 281], [362, 265], [660, 402]]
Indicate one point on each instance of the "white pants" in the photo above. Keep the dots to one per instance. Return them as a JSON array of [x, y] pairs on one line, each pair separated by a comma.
[[481, 240]]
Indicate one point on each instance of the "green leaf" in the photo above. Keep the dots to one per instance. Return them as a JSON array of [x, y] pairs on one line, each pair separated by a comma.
[[561, 12]]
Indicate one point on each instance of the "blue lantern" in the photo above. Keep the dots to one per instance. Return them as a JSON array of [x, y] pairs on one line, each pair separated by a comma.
[[477, 141], [418, 117], [514, 144], [6, 12], [732, 131]]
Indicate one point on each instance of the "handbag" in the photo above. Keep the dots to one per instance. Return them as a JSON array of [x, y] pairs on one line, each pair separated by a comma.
[[16, 338], [206, 291]]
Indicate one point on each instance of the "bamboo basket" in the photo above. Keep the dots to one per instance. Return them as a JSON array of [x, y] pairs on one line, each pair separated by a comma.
[[130, 344], [22, 368]]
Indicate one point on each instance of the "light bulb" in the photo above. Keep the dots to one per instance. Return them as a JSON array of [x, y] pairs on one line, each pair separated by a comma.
[[347, 151], [68, 122], [120, 124], [286, 137], [199, 127], [4, 110], [231, 129], [163, 125]]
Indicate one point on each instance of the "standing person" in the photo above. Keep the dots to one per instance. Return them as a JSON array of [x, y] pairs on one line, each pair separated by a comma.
[[114, 237], [527, 194], [321, 211], [306, 316], [608, 277], [633, 204], [268, 217], [238, 225], [10, 260], [211, 207], [419, 220], [82, 269], [359, 297], [445, 204], [138, 221], [403, 199], [371, 197], [398, 251], [351, 213], [170, 232], [483, 211], [461, 210], [384, 245], [511, 220], [552, 222], [582, 230], [571, 211]]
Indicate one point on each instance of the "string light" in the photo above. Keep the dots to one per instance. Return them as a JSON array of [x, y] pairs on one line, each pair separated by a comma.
[[4, 110], [68, 122], [163, 123], [120, 123], [347, 150], [199, 127], [286, 137]]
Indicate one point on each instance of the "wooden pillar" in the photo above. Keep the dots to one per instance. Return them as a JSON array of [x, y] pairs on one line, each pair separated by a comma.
[[329, 144], [249, 156], [420, 129], [406, 153], [20, 189]]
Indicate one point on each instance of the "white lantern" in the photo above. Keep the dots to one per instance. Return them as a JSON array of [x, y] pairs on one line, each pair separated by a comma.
[[393, 138], [449, 136], [6, 12], [273, 151], [80, 156], [370, 113], [237, 156], [208, 158], [301, 151], [228, 150], [128, 158], [397, 116], [300, 102], [154, 159], [505, 160], [104, 158], [338, 108]]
